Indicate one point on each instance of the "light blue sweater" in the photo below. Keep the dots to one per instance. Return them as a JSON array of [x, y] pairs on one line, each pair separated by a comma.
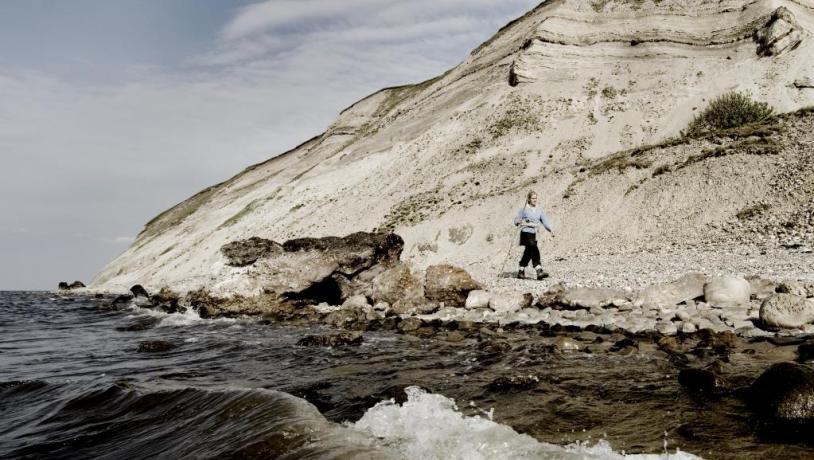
[[534, 215]]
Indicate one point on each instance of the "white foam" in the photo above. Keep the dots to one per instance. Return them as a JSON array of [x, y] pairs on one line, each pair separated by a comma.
[[429, 426], [187, 318]]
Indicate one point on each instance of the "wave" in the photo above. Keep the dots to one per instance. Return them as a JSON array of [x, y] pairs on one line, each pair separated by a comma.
[[430, 426], [187, 318], [46, 420]]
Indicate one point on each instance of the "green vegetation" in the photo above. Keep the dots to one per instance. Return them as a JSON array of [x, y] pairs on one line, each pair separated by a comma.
[[177, 214], [609, 92], [248, 209], [730, 110]]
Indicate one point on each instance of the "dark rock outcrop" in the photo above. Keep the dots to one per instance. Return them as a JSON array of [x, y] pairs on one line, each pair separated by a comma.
[[246, 252], [139, 291], [702, 380], [448, 284], [514, 383], [64, 286]]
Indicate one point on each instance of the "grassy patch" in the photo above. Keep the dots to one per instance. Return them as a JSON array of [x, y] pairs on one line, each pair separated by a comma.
[[730, 110], [248, 209], [412, 210], [178, 213]]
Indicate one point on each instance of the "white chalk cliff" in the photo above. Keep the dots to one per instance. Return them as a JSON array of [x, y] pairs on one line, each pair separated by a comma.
[[554, 102]]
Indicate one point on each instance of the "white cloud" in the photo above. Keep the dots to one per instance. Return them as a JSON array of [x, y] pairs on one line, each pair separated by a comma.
[[103, 160]]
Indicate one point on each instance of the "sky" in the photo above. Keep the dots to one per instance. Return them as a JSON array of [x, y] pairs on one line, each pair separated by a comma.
[[112, 111]]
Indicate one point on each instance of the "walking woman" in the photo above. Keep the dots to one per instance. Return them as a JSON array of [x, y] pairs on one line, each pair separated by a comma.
[[529, 219]]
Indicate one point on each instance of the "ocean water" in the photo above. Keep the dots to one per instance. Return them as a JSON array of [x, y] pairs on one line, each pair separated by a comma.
[[74, 385]]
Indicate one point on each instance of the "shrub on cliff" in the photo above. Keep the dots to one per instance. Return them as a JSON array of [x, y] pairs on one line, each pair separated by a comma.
[[729, 110]]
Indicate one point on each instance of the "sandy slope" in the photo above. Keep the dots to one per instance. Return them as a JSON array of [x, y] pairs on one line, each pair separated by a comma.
[[553, 102]]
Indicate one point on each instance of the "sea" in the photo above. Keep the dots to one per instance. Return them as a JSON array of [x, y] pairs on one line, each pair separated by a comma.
[[74, 384]]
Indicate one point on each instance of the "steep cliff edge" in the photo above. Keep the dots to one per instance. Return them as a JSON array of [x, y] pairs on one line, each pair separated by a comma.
[[559, 101]]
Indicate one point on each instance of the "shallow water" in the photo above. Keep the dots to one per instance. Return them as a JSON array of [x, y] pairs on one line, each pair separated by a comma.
[[72, 385]]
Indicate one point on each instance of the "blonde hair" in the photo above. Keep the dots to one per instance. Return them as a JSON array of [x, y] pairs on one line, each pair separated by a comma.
[[528, 195]]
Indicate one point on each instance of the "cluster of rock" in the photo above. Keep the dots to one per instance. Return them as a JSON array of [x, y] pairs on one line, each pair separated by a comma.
[[64, 286], [359, 278]]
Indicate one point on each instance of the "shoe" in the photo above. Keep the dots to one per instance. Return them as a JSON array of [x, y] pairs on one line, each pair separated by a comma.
[[541, 274], [521, 274]]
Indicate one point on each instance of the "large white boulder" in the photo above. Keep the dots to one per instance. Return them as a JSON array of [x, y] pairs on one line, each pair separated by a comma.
[[727, 290], [786, 311]]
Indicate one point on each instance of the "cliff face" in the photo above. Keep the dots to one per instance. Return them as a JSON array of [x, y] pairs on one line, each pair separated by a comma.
[[554, 102]]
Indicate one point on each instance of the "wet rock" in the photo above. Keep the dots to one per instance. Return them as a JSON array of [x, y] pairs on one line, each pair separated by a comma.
[[333, 340], [718, 341], [669, 344], [702, 380], [727, 290], [246, 252], [346, 317], [566, 344], [688, 287], [514, 383], [454, 337], [448, 284], [167, 301], [477, 299], [398, 285], [784, 397], [494, 347], [786, 311], [138, 291], [624, 343], [122, 300], [761, 288], [140, 325], [510, 303], [805, 352], [155, 346], [406, 308], [64, 286], [410, 324]]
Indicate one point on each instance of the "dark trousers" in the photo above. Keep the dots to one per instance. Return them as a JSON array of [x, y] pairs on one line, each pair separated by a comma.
[[530, 251]]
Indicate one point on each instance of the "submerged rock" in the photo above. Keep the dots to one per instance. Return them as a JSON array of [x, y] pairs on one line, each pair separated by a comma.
[[334, 340], [514, 383], [155, 346], [786, 311], [702, 380]]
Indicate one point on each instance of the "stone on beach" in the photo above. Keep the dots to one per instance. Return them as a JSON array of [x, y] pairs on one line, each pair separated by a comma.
[[727, 290], [786, 311], [510, 303], [448, 284], [784, 393], [688, 287], [477, 299]]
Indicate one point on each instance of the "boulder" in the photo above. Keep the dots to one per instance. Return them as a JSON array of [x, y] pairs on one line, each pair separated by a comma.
[[566, 344], [780, 34], [510, 303], [64, 286], [792, 287], [139, 291], [588, 298], [246, 252], [805, 352], [761, 287], [448, 284], [727, 290], [786, 311], [155, 346], [784, 393], [702, 380], [410, 324], [398, 284], [308, 271], [357, 302], [514, 383], [688, 287], [477, 299], [334, 340]]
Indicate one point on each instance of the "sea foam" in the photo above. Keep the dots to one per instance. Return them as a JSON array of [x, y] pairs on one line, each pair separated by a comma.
[[430, 426]]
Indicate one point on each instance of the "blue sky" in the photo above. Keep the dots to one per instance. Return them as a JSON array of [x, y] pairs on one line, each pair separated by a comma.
[[113, 110]]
